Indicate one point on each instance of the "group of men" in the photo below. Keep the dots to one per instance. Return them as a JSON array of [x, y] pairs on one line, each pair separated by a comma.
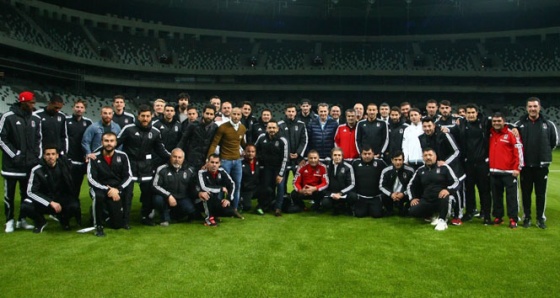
[[190, 167]]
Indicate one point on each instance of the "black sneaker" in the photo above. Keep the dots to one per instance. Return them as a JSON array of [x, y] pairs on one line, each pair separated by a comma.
[[39, 227], [487, 222], [147, 221], [99, 231], [66, 227], [467, 217], [541, 224], [526, 222]]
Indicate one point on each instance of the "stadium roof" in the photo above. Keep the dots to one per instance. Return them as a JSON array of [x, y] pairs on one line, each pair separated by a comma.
[[378, 17]]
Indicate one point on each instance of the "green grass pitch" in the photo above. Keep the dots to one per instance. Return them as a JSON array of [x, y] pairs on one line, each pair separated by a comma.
[[300, 255]]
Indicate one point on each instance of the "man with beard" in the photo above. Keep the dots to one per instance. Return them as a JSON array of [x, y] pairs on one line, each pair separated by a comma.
[[305, 114], [50, 190], [172, 184], [411, 144], [447, 151], [397, 126], [432, 109], [140, 141], [431, 190], [76, 126], [446, 118], [20, 140], [372, 132], [170, 130], [259, 127], [296, 134], [368, 174], [345, 136], [91, 140], [181, 112], [393, 182], [340, 192], [214, 187], [248, 120], [230, 136], [53, 124], [273, 157], [405, 109], [110, 179], [121, 117], [197, 137]]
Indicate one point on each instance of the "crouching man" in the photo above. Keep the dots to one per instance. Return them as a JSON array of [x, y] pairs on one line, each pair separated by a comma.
[[432, 190], [214, 185], [310, 182], [110, 179], [172, 186], [49, 190]]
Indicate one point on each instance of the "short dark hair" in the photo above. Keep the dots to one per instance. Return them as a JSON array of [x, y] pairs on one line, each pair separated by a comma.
[[445, 102], [471, 106], [110, 133], [56, 99], [313, 151], [289, 106], [49, 147], [169, 105], [117, 97], [428, 119], [214, 155], [397, 154], [533, 98], [144, 108], [272, 120], [367, 148], [404, 103], [209, 107], [395, 109], [417, 110], [192, 107], [428, 149], [431, 101], [247, 103], [183, 95], [498, 115], [384, 104]]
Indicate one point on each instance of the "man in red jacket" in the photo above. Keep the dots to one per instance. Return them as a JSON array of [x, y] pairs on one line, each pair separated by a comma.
[[310, 182], [505, 160]]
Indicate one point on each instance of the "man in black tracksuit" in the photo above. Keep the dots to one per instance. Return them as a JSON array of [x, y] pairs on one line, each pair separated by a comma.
[[539, 136], [448, 153], [372, 132], [397, 125], [273, 157], [340, 192], [259, 127], [170, 130], [250, 181], [50, 190], [248, 120], [172, 187], [294, 131], [76, 126], [431, 189], [473, 133], [367, 171], [53, 124], [215, 188], [393, 182], [197, 138], [140, 141], [20, 140], [110, 181]]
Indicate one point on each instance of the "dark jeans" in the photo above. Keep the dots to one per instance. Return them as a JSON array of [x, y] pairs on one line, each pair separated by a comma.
[[184, 207], [270, 191]]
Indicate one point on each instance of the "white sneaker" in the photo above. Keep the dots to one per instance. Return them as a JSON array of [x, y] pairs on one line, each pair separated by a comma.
[[9, 226], [53, 218], [441, 225], [23, 224], [152, 214], [434, 221]]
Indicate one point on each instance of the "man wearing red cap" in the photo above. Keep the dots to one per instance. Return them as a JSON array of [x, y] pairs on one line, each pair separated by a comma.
[[20, 140]]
